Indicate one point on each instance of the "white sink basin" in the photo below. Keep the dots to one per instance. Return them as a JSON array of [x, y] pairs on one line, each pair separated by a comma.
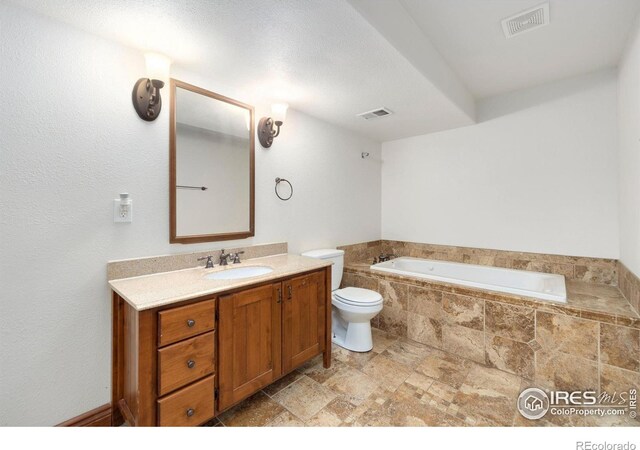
[[239, 272]]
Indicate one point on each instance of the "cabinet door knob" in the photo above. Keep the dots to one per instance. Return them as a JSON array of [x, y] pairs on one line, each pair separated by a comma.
[[190, 412], [279, 296], [191, 323], [191, 364], [290, 289]]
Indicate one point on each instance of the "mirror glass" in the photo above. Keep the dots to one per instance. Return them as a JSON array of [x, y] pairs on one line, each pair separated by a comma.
[[212, 175]]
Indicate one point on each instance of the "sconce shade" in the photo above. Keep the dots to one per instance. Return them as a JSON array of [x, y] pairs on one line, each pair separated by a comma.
[[279, 112], [146, 92], [157, 66]]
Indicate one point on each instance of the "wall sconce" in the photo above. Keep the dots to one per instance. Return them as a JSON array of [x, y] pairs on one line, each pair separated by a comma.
[[266, 132], [146, 92]]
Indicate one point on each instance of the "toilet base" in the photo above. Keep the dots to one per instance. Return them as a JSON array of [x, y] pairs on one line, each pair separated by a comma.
[[354, 336]]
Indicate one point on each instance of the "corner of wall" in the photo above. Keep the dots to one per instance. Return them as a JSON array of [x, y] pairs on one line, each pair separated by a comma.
[[629, 151]]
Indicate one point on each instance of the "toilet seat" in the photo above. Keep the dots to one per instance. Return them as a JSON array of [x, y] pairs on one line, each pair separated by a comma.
[[358, 297]]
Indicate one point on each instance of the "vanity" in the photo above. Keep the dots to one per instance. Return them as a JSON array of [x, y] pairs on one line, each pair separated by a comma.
[[190, 344]]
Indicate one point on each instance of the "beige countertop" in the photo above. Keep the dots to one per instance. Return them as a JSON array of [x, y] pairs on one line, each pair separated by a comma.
[[160, 289]]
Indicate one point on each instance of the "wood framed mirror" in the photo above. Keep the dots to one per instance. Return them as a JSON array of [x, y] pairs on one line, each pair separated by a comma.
[[211, 165]]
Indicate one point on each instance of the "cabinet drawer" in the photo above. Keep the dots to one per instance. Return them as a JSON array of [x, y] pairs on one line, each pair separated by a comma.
[[180, 364], [186, 321], [188, 407]]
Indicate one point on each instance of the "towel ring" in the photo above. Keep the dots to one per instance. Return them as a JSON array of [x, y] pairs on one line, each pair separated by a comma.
[[278, 181]]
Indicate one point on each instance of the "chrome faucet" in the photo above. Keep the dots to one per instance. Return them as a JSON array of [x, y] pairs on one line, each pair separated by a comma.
[[236, 257], [209, 261], [224, 258], [384, 257]]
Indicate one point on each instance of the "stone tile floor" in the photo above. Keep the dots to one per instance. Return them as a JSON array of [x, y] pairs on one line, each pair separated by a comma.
[[399, 383]]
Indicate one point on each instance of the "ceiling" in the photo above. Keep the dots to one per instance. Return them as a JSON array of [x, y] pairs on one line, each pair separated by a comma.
[[320, 56], [426, 60], [582, 36]]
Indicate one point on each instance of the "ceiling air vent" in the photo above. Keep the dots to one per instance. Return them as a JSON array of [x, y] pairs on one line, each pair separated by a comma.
[[374, 114], [526, 21]]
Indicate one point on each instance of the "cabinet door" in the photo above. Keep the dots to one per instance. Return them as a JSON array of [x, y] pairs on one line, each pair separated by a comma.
[[249, 354], [304, 319]]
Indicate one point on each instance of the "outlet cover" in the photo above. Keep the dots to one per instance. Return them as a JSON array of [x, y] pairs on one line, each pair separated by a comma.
[[122, 215]]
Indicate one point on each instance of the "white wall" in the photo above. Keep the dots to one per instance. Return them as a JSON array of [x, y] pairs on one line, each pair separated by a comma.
[[538, 173], [70, 141], [629, 135]]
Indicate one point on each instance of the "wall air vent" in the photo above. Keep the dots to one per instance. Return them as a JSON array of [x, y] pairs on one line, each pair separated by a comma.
[[374, 114], [526, 21]]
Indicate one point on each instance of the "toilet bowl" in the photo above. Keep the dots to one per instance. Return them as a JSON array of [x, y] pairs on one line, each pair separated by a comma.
[[352, 308], [351, 325]]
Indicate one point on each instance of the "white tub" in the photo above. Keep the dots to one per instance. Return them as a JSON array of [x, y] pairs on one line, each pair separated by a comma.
[[543, 286]]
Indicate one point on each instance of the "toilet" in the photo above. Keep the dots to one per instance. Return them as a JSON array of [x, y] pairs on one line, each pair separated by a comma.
[[352, 308]]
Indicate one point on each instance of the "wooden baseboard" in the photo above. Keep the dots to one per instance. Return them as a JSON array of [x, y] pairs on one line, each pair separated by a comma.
[[99, 417]]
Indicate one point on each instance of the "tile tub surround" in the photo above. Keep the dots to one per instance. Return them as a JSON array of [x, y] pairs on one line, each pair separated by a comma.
[[629, 285], [160, 289], [595, 270], [364, 251], [136, 267], [399, 383], [588, 343]]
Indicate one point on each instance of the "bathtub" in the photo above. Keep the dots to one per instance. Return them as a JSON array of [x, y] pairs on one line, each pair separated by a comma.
[[542, 286]]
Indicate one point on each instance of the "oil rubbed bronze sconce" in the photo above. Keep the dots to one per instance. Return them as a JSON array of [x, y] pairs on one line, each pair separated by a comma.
[[266, 131], [146, 92]]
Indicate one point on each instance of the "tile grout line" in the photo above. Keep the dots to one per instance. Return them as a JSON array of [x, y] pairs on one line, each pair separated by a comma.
[[484, 328], [280, 390], [535, 352], [599, 360]]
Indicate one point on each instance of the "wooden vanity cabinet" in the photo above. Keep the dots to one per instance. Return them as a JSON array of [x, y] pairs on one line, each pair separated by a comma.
[[182, 365], [267, 332], [303, 319], [250, 342]]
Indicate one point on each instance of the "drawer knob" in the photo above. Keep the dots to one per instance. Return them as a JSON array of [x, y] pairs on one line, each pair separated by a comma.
[[191, 323], [191, 364], [190, 412]]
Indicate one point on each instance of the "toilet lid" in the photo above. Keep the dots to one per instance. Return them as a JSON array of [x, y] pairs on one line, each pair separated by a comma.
[[358, 296]]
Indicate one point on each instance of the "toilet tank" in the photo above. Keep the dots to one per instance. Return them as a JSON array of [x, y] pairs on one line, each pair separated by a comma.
[[335, 256]]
